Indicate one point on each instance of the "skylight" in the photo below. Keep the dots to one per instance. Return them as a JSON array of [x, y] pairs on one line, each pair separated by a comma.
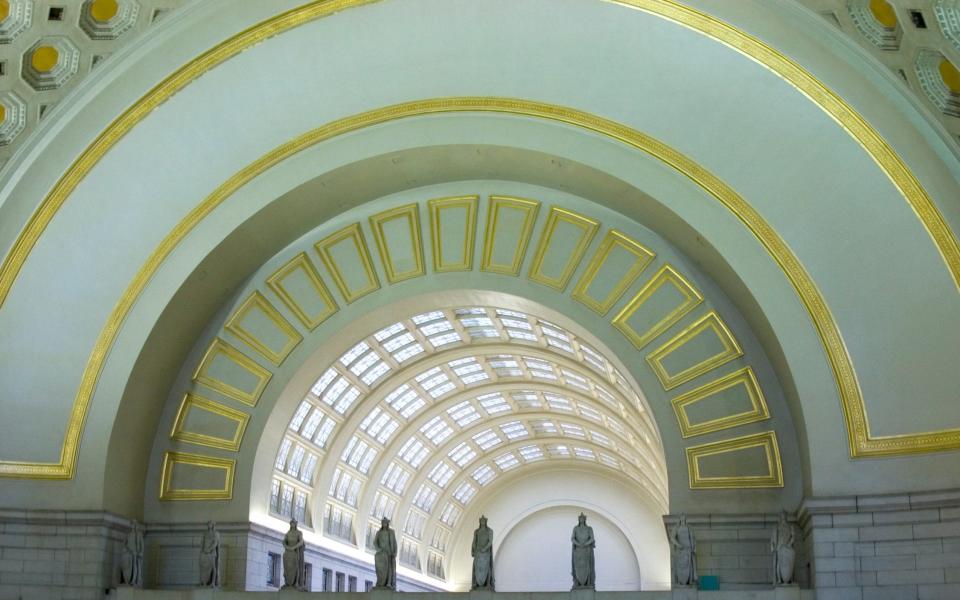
[[484, 474], [517, 385], [441, 474], [463, 413], [486, 439], [462, 454], [436, 430]]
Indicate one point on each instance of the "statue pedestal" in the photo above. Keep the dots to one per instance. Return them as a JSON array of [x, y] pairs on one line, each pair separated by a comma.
[[381, 593], [583, 593], [684, 592], [787, 592], [482, 594]]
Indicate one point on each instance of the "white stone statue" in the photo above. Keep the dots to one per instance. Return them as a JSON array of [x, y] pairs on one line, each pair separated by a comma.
[[385, 558], [294, 566], [210, 556], [482, 552], [131, 563], [582, 563], [784, 556], [684, 553]]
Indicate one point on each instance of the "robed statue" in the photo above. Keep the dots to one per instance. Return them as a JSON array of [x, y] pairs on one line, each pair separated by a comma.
[[385, 557], [210, 556], [131, 563], [684, 547], [582, 563], [294, 566], [482, 552], [781, 545]]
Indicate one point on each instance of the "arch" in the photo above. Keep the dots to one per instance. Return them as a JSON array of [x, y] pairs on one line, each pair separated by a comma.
[[719, 267]]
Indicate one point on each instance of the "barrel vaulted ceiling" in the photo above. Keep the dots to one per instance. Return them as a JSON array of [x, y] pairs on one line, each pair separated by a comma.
[[443, 272], [414, 418]]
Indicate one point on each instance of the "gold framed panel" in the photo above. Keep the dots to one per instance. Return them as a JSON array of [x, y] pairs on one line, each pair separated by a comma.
[[192, 402], [861, 441], [710, 321], [355, 235], [766, 440], [203, 377], [613, 240], [436, 208], [301, 262], [588, 228], [410, 213], [666, 275], [256, 301], [530, 208], [172, 459], [742, 377]]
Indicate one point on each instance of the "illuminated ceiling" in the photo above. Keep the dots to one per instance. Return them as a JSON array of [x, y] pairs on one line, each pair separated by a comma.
[[716, 276], [464, 396]]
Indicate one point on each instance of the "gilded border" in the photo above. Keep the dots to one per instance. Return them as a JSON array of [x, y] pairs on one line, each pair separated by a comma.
[[410, 212], [767, 440], [171, 459], [354, 234], [861, 442], [588, 228], [202, 377], [235, 326], [833, 344], [437, 206], [193, 401], [711, 321], [744, 377], [275, 283], [666, 274], [496, 203], [612, 239]]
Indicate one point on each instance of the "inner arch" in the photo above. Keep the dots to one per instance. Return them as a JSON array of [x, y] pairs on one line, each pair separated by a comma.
[[419, 418]]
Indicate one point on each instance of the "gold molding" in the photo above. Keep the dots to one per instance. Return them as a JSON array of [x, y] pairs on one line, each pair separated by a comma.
[[302, 262], [193, 401], [530, 208], [666, 274], [767, 440], [172, 459], [257, 301], [861, 441], [744, 377], [354, 234], [833, 344], [410, 212], [612, 240], [437, 206], [202, 376], [588, 228], [711, 321]]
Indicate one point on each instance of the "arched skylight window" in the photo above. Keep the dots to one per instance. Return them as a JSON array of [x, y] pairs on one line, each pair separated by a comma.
[[418, 418]]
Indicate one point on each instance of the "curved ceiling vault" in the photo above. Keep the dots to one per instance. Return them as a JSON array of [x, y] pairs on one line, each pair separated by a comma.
[[738, 282], [487, 390], [436, 397]]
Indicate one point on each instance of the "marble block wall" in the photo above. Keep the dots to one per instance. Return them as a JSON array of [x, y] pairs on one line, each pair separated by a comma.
[[59, 555], [172, 555], [735, 548], [896, 547], [75, 555]]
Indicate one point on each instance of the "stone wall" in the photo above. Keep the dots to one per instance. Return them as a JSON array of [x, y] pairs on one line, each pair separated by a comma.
[[897, 547], [75, 555], [735, 548], [246, 548], [59, 555]]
